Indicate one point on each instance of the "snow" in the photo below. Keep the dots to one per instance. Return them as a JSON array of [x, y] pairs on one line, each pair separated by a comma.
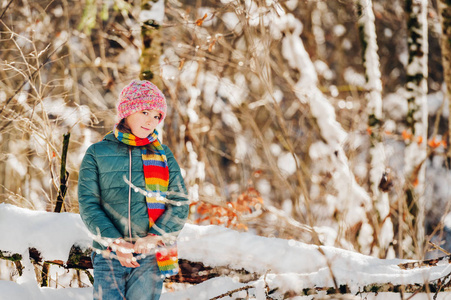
[[16, 164], [288, 265], [373, 86], [196, 167], [206, 290], [291, 4], [241, 148], [234, 93], [41, 230], [232, 22], [155, 13], [287, 164], [372, 65]]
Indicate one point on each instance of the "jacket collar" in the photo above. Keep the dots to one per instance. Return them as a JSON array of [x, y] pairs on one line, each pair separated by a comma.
[[110, 137]]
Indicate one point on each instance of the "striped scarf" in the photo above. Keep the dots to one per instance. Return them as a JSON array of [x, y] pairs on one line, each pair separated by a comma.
[[156, 176]]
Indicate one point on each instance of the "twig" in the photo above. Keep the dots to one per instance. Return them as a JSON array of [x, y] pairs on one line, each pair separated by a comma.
[[45, 274], [266, 283], [437, 247], [6, 8], [64, 175], [46, 60], [416, 292], [232, 292], [441, 284]]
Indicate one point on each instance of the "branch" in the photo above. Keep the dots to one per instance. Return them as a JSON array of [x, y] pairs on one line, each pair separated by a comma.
[[80, 259], [64, 175], [424, 263], [46, 60], [232, 292], [6, 8]]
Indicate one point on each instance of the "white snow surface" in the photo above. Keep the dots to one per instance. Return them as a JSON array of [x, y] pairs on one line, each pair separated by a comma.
[[53, 234], [288, 265]]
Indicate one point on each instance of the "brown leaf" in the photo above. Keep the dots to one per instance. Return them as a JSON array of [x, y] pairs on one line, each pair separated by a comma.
[[199, 22]]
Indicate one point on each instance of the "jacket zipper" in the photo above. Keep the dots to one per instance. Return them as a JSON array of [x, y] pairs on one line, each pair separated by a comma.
[[130, 192]]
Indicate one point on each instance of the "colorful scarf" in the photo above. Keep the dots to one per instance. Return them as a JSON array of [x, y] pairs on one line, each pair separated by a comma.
[[156, 175]]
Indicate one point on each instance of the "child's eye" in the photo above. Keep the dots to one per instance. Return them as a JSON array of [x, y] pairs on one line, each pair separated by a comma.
[[145, 113], [157, 117]]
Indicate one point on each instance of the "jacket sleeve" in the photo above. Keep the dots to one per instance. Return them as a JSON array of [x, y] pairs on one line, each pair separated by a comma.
[[89, 199], [174, 217]]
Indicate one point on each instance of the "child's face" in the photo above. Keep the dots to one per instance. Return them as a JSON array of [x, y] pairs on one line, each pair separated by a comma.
[[143, 123]]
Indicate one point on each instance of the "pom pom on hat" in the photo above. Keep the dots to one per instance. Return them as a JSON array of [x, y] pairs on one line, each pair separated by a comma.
[[140, 95]]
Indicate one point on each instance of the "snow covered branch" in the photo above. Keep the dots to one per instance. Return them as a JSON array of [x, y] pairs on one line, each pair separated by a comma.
[[285, 266]]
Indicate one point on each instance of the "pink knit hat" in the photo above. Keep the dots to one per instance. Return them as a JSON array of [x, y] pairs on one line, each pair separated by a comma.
[[140, 95]]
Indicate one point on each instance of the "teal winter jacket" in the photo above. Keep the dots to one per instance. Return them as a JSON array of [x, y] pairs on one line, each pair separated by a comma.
[[103, 194]]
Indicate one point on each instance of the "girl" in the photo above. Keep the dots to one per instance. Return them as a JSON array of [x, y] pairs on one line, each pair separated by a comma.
[[131, 196]]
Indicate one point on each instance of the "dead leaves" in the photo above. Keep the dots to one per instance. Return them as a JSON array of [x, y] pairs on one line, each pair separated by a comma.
[[229, 215], [200, 21]]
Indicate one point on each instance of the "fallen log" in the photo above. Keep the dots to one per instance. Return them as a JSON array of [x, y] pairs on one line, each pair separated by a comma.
[[197, 272], [80, 259], [425, 263]]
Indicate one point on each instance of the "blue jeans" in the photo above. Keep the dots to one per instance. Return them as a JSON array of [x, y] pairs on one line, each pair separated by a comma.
[[113, 281]]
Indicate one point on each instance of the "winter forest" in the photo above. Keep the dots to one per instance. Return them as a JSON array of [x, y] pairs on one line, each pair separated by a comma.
[[313, 138]]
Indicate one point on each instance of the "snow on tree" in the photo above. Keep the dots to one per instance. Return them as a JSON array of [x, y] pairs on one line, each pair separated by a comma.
[[352, 200], [382, 221], [151, 18], [236, 88], [417, 123]]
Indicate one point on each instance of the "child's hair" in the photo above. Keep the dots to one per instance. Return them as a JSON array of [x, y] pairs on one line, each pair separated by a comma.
[[122, 127]]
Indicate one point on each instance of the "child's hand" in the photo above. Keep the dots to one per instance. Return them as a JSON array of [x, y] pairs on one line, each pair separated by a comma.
[[124, 251], [146, 244]]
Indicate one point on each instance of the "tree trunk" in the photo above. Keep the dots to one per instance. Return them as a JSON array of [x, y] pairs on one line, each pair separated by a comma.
[[382, 223], [152, 15], [417, 114], [444, 8]]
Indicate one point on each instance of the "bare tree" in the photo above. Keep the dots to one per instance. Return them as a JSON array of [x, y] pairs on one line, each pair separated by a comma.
[[381, 219], [151, 16], [417, 122], [444, 10]]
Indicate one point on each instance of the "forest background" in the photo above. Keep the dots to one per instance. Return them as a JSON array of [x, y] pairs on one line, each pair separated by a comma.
[[320, 121]]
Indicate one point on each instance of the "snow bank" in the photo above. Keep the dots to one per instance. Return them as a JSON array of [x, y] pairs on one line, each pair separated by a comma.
[[53, 234], [292, 265], [288, 265]]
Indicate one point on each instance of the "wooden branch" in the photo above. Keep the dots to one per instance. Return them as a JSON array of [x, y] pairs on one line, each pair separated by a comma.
[[437, 247], [64, 175], [435, 287], [6, 8], [80, 259], [424, 263], [230, 293], [45, 274]]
